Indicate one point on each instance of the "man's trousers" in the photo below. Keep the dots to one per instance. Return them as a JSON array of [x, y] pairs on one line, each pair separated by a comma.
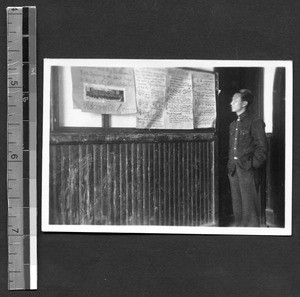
[[244, 185]]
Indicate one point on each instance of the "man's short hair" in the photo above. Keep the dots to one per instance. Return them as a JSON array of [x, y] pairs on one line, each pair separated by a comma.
[[246, 95]]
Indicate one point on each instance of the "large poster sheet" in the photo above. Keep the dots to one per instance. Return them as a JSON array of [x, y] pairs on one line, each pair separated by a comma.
[[150, 96], [106, 90]]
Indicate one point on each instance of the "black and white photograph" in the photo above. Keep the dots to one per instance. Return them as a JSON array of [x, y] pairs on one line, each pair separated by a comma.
[[167, 146]]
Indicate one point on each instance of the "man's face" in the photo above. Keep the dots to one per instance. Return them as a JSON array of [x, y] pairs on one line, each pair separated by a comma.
[[237, 105]]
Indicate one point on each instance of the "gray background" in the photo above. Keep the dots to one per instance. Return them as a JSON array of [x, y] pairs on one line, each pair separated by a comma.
[[160, 265]]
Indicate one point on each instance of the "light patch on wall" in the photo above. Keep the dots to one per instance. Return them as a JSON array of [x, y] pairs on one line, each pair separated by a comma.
[[269, 75]]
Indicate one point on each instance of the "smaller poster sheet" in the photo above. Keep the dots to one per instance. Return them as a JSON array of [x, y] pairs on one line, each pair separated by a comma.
[[204, 91], [179, 100]]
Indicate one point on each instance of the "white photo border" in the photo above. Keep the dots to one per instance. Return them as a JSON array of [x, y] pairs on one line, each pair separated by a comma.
[[201, 64]]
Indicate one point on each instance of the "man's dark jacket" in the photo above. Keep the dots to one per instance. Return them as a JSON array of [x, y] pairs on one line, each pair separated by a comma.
[[252, 145]]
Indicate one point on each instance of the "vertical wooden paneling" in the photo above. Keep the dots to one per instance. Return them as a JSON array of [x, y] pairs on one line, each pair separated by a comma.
[[205, 182], [122, 185], [55, 212], [63, 198], [130, 187], [90, 185], [182, 195], [101, 199], [192, 168], [114, 179], [133, 184], [170, 188], [187, 186], [74, 181], [212, 184], [175, 177], [200, 184], [139, 208], [144, 181], [66, 197], [84, 185], [203, 186], [161, 183], [151, 185], [196, 182], [80, 185], [109, 183], [148, 203], [127, 185], [97, 184], [165, 185], [159, 178], [154, 174], [209, 188], [103, 184], [178, 172]]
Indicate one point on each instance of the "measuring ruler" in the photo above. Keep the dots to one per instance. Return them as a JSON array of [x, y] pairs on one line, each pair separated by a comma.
[[21, 148]]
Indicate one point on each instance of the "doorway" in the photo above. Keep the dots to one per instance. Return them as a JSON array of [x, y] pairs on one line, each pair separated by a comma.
[[230, 81]]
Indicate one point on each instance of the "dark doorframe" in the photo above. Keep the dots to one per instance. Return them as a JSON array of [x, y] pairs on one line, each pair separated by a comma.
[[275, 204]]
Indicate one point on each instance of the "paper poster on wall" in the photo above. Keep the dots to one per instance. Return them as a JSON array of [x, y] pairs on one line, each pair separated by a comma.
[[164, 98], [179, 100], [150, 96], [105, 90], [204, 99]]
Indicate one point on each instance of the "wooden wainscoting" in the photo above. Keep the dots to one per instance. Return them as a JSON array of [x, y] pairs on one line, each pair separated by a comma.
[[130, 183]]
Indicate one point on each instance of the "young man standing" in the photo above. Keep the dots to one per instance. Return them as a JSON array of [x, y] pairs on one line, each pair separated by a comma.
[[248, 148]]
